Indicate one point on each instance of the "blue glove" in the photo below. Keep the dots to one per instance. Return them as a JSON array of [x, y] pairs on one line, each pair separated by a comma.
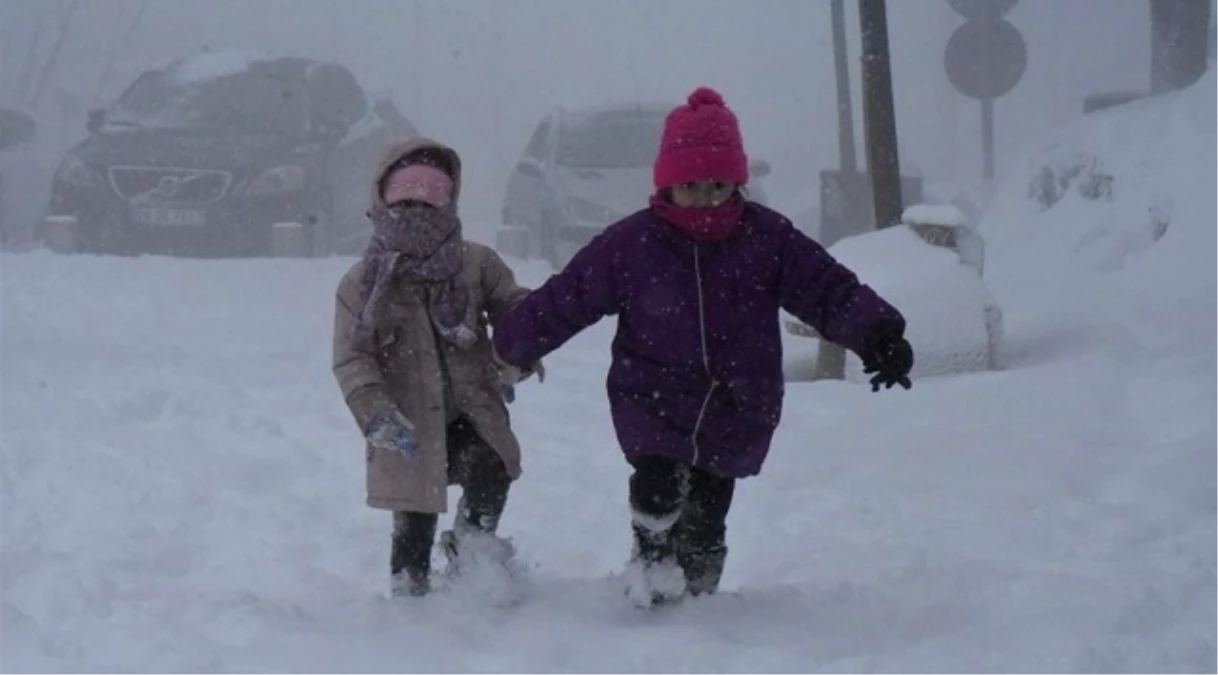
[[391, 432], [509, 393]]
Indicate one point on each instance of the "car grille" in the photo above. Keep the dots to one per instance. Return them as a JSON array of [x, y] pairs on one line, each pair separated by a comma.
[[159, 185]]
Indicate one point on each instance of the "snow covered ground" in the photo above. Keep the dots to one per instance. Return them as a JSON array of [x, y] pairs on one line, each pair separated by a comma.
[[183, 490]]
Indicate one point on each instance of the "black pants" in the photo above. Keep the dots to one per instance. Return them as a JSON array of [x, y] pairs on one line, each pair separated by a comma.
[[662, 489], [477, 468]]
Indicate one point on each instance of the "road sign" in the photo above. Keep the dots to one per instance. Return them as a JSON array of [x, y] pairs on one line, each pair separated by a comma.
[[985, 59], [982, 9]]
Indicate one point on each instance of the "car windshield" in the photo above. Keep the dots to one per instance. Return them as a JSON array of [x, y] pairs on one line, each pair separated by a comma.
[[619, 140], [250, 100]]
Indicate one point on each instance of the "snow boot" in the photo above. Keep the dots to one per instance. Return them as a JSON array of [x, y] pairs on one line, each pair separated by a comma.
[[467, 549], [410, 553], [472, 541], [411, 583], [703, 568], [653, 574], [480, 563]]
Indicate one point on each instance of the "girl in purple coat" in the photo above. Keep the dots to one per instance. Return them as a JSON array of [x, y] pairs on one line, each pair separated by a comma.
[[697, 280]]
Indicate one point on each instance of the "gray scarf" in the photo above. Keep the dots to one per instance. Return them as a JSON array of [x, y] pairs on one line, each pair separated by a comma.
[[422, 245]]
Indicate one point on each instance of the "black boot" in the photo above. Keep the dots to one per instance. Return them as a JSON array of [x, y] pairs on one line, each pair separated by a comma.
[[654, 576], [473, 539], [703, 569], [410, 553], [484, 480], [702, 532], [657, 489], [651, 547]]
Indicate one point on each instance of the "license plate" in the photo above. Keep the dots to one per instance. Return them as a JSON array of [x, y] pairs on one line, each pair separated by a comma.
[[168, 217]]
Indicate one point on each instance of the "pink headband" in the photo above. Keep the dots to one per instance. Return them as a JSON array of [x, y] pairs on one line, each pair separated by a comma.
[[419, 182]]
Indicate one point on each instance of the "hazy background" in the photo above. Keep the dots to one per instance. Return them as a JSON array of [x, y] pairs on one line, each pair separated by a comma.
[[480, 73]]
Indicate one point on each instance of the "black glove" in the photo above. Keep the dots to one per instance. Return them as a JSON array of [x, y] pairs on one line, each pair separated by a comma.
[[888, 354]]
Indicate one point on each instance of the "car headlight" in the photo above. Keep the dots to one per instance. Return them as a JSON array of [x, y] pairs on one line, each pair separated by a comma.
[[74, 170], [589, 212], [277, 180]]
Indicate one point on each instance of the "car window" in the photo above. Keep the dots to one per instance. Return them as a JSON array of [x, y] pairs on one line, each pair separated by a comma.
[[259, 100], [620, 139], [539, 145], [335, 95]]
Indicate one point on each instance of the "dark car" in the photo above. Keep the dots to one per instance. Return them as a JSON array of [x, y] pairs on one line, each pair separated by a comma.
[[225, 153], [582, 170]]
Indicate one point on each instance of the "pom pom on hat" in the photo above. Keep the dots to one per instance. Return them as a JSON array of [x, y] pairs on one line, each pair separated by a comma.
[[705, 96]]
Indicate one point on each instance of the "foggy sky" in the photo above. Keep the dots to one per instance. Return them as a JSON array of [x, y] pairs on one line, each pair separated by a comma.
[[480, 73]]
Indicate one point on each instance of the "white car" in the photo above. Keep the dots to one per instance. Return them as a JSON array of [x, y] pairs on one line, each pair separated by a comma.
[[584, 169], [930, 268]]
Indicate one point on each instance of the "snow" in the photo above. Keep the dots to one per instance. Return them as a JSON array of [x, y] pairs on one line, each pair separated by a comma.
[[933, 214], [212, 65], [182, 488], [945, 303]]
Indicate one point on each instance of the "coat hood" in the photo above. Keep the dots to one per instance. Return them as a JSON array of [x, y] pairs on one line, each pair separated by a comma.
[[399, 149]]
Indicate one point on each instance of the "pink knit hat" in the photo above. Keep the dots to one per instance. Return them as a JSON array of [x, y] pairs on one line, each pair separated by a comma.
[[421, 182], [701, 141]]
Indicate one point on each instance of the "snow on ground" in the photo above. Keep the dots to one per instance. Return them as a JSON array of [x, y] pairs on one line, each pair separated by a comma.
[[182, 488]]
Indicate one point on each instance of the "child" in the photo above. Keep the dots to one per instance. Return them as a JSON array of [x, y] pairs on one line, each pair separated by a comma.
[[697, 280], [415, 366]]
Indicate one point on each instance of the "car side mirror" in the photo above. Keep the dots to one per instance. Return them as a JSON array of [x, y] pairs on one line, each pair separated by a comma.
[[530, 169], [759, 168], [96, 119], [16, 128]]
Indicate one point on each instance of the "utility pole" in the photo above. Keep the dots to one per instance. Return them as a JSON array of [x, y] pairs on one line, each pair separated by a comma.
[[831, 358], [845, 111], [880, 131], [1179, 43], [879, 117]]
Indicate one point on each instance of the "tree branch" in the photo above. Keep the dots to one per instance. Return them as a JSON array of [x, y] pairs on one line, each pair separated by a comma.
[[64, 11]]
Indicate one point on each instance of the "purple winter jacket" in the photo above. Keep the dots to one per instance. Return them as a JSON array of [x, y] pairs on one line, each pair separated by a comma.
[[697, 360]]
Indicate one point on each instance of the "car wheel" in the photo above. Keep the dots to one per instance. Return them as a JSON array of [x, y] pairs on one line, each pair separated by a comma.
[[61, 235]]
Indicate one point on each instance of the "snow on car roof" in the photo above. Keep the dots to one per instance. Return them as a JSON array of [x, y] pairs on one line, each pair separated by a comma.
[[645, 107], [210, 65]]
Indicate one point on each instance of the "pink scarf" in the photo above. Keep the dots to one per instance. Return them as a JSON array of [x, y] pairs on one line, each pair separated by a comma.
[[711, 223]]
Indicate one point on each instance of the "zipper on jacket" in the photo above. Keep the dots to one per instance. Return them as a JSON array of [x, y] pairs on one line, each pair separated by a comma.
[[705, 355]]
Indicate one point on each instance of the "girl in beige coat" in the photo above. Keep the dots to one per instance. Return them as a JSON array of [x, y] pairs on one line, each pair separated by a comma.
[[415, 365]]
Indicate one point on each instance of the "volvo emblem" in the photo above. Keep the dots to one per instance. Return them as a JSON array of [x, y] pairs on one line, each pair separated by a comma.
[[168, 186]]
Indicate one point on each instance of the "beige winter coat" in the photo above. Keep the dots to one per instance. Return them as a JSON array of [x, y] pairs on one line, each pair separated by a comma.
[[405, 370]]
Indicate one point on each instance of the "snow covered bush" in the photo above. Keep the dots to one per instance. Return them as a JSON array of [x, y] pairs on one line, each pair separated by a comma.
[[1109, 187], [1083, 173]]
